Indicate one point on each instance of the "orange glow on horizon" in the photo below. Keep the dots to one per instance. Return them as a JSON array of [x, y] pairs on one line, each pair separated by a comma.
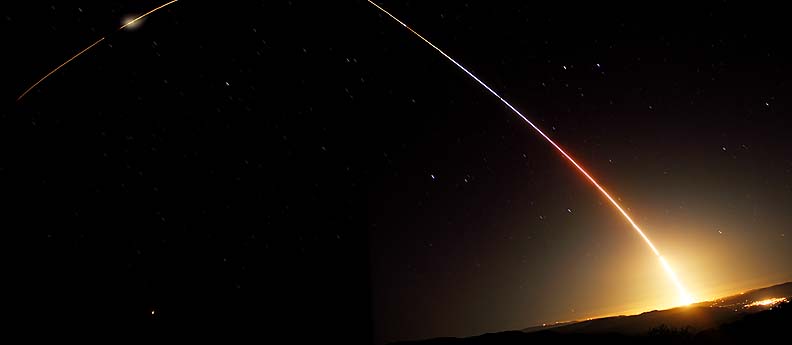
[[766, 302]]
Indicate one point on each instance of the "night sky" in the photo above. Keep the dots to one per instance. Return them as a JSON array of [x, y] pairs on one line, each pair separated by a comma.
[[313, 170]]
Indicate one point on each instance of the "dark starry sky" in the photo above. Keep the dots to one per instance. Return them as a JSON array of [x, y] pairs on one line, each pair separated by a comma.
[[310, 169]]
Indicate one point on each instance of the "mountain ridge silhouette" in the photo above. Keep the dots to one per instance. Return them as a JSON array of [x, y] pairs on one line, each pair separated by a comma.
[[723, 320]]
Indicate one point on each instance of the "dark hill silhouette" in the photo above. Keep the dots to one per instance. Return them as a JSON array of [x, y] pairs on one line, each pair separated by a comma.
[[548, 326], [699, 316], [725, 320]]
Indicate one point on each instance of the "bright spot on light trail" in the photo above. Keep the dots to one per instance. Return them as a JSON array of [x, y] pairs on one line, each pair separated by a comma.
[[129, 22]]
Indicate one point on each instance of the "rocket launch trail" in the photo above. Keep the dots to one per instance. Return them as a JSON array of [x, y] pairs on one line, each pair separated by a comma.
[[131, 22], [684, 297]]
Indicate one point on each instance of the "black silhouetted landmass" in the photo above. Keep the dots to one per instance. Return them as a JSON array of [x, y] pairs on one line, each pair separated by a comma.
[[723, 321]]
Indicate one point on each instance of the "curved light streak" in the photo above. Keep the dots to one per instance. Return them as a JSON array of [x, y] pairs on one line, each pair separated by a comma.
[[89, 47], [684, 297]]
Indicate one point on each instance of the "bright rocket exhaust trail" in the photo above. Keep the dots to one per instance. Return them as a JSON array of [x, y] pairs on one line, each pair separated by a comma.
[[91, 46], [685, 298]]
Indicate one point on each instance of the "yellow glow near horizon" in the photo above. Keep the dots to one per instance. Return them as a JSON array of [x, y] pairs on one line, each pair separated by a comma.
[[766, 302]]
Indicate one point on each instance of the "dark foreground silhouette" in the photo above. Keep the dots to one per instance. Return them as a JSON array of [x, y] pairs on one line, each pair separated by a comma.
[[723, 321]]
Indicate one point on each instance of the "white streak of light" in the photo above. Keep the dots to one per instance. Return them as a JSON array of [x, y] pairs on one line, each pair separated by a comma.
[[684, 297]]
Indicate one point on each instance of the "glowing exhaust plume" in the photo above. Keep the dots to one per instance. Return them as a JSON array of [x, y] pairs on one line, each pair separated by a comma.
[[684, 298], [128, 23], [131, 22]]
